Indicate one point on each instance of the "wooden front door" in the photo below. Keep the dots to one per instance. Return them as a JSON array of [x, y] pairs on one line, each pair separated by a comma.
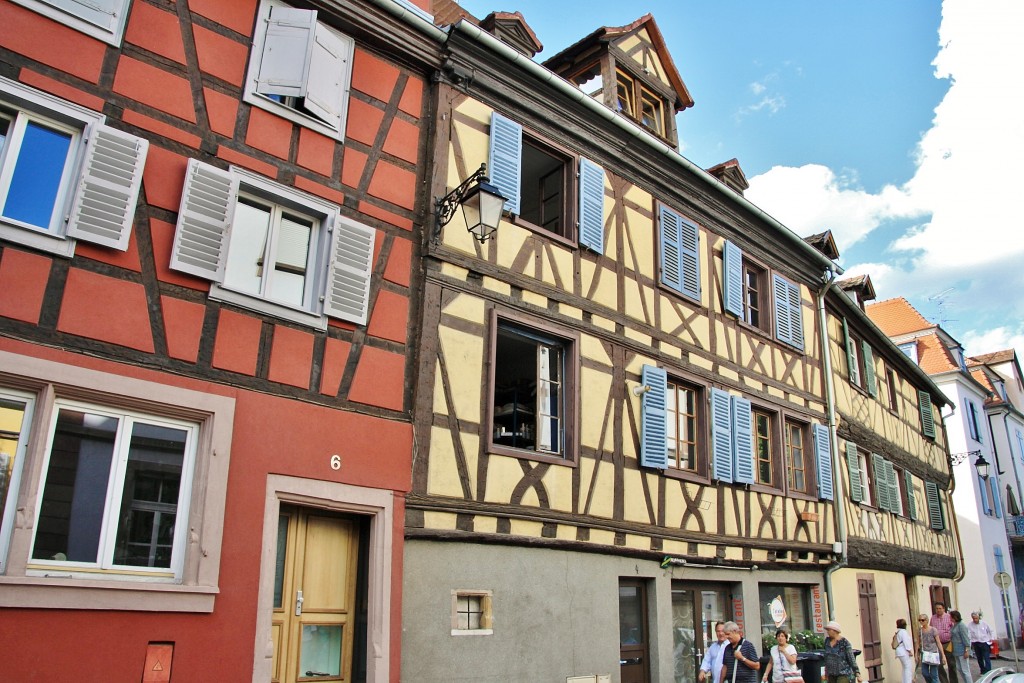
[[633, 664], [869, 628], [314, 596]]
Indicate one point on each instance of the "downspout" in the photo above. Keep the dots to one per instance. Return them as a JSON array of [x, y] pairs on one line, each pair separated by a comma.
[[830, 408]]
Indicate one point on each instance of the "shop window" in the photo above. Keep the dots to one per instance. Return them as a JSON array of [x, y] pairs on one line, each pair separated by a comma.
[[63, 174], [471, 613], [300, 68], [540, 181], [107, 492], [532, 389], [102, 19], [272, 248], [785, 606]]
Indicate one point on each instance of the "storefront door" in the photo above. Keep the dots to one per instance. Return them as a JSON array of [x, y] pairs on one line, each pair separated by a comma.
[[314, 596], [696, 608], [633, 664]]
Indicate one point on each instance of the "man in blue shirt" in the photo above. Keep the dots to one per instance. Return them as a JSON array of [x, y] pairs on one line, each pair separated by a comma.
[[712, 662]]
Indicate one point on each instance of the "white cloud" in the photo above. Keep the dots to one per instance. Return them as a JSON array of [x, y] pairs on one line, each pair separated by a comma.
[[963, 195], [812, 198]]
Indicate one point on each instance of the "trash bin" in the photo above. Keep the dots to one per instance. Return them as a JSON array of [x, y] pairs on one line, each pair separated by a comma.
[[810, 664]]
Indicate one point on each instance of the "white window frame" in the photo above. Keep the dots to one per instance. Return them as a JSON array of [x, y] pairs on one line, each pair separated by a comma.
[[103, 567], [868, 494], [340, 263], [76, 14], [100, 182], [26, 584], [320, 39], [10, 511]]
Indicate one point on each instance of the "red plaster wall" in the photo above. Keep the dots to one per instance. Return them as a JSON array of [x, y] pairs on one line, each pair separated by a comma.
[[105, 308], [23, 278]]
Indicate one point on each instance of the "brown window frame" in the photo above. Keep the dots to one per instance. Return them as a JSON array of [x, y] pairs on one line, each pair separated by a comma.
[[810, 464], [892, 390], [637, 93], [539, 331], [760, 293], [531, 175], [771, 439]]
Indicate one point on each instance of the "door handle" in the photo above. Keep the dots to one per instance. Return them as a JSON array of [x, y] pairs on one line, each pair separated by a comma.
[[634, 660], [298, 603]]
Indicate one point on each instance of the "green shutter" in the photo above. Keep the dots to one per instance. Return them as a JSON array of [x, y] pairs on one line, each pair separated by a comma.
[[881, 482], [924, 401], [911, 501], [869, 370], [931, 490], [853, 465]]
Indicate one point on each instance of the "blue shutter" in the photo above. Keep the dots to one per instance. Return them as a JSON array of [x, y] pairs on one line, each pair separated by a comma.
[[869, 369], [911, 501], [671, 272], [986, 507], [853, 466], [505, 159], [591, 206], [742, 440], [823, 452], [689, 251], [997, 501], [721, 435], [780, 297], [732, 279], [653, 445], [1000, 562], [924, 401]]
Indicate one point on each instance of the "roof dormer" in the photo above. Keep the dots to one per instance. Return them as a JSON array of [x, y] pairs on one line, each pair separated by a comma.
[[631, 71]]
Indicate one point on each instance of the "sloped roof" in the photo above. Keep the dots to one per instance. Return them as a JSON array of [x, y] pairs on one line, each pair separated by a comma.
[[984, 379], [825, 243], [994, 358], [448, 12], [512, 28], [861, 284], [609, 33], [933, 356], [730, 173], [897, 317]]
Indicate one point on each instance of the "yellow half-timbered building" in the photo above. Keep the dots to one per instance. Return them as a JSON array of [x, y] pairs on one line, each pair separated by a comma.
[[622, 426]]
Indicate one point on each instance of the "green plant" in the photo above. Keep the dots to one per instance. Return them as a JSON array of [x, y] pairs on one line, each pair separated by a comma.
[[802, 640]]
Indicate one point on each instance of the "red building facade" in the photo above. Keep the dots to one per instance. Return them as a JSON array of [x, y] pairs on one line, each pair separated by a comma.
[[208, 231]]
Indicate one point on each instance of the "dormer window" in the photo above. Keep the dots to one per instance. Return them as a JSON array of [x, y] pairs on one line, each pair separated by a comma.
[[651, 112]]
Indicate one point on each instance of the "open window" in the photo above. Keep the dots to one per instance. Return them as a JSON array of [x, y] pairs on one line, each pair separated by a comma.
[[271, 248], [640, 103], [64, 174], [745, 287], [300, 68], [540, 181], [672, 419], [532, 407]]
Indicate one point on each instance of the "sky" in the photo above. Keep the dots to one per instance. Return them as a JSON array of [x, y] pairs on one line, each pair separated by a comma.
[[897, 124]]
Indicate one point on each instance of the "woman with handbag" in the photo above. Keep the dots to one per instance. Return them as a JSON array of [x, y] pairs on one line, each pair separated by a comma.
[[932, 655], [840, 660], [903, 644], [782, 662]]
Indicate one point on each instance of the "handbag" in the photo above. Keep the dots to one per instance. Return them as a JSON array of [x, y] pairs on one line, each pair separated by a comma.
[[930, 658], [792, 677], [895, 640]]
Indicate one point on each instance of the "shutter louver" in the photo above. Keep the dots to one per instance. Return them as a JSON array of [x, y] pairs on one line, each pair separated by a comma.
[[997, 501], [505, 159], [591, 206], [881, 482], [102, 13], [653, 427], [104, 205], [780, 297], [671, 224], [984, 495], [924, 401], [287, 52], [823, 453], [348, 286], [869, 370], [204, 221], [851, 355], [911, 500], [853, 467], [689, 253], [742, 440], [721, 435], [935, 520], [732, 284]]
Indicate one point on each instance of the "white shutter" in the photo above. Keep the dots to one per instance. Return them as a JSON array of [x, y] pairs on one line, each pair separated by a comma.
[[348, 285], [204, 221], [505, 159], [327, 85], [732, 279], [287, 52], [591, 206], [104, 204], [102, 13]]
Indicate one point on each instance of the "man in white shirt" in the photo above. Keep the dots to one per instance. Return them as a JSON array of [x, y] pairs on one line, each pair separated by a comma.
[[981, 639], [712, 661]]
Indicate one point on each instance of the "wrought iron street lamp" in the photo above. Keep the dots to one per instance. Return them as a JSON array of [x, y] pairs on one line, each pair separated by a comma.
[[481, 203]]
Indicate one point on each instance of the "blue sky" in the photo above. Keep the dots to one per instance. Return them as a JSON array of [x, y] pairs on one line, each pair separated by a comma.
[[892, 123]]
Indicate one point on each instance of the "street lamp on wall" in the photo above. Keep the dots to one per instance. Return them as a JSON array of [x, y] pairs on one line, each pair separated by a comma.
[[982, 466], [481, 203]]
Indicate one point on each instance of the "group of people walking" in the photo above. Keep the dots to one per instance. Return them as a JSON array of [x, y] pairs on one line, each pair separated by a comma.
[[943, 650], [944, 646]]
